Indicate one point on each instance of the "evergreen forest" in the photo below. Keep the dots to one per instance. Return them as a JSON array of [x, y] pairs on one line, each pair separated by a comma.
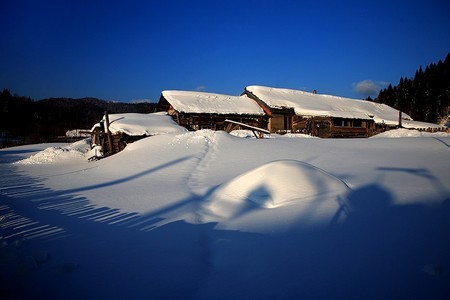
[[424, 97], [24, 121]]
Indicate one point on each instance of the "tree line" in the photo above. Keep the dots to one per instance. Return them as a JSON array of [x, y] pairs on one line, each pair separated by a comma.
[[424, 97], [25, 121]]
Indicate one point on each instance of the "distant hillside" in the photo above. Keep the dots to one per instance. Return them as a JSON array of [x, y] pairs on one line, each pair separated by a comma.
[[426, 97], [24, 121]]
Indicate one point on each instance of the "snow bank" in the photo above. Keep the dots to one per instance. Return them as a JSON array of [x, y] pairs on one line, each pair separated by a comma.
[[420, 125], [73, 151], [300, 135], [243, 134], [249, 134], [143, 124], [402, 132]]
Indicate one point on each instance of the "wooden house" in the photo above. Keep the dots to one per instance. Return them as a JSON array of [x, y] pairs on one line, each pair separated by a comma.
[[114, 132], [199, 110], [321, 115], [108, 142]]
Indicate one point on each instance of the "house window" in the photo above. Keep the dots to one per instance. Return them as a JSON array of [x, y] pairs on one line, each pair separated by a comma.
[[338, 122], [287, 122], [357, 123]]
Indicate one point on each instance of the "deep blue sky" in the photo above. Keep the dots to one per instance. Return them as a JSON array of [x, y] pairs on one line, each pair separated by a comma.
[[135, 49]]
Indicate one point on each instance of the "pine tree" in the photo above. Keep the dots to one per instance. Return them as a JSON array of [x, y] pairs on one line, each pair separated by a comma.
[[390, 96], [425, 97], [418, 96]]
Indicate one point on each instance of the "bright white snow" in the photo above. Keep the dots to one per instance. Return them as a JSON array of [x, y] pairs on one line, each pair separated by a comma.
[[143, 124], [72, 152], [209, 215], [201, 102], [402, 132], [288, 185]]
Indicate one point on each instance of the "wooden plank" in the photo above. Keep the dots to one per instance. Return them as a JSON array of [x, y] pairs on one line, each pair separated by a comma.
[[248, 126]]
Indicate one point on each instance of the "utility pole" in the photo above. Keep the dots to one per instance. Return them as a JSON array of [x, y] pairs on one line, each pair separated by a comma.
[[108, 134]]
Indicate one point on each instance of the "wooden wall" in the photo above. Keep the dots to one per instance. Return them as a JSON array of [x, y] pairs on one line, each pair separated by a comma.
[[216, 121], [328, 127]]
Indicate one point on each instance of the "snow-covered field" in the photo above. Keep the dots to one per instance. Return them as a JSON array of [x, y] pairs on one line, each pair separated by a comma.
[[211, 215]]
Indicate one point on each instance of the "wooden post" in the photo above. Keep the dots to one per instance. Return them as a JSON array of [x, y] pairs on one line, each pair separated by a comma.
[[108, 134], [399, 119]]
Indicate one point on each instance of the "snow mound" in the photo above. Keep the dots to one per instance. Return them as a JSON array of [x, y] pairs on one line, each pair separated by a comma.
[[195, 137], [402, 132], [242, 133], [248, 134], [73, 151], [274, 185], [300, 135]]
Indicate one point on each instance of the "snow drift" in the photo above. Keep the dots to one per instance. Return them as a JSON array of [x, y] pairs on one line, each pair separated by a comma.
[[280, 185], [208, 215], [276, 184], [402, 132], [70, 152]]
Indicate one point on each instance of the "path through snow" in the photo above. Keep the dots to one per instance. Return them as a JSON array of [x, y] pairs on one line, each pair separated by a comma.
[[209, 141]]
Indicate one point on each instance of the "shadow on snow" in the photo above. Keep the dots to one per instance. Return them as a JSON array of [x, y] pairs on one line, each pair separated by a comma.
[[59, 245]]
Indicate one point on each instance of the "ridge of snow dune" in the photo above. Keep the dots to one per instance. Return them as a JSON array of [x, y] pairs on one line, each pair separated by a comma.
[[279, 182], [402, 132]]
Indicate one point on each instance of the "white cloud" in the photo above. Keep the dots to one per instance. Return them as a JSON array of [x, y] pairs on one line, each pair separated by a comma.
[[369, 87], [135, 101], [200, 88]]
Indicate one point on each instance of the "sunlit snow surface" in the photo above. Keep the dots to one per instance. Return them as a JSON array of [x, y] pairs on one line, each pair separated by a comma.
[[298, 191], [211, 215], [201, 102]]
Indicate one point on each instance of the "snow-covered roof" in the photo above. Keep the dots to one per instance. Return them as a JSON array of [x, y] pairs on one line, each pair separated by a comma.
[[200, 102], [143, 124], [310, 104]]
